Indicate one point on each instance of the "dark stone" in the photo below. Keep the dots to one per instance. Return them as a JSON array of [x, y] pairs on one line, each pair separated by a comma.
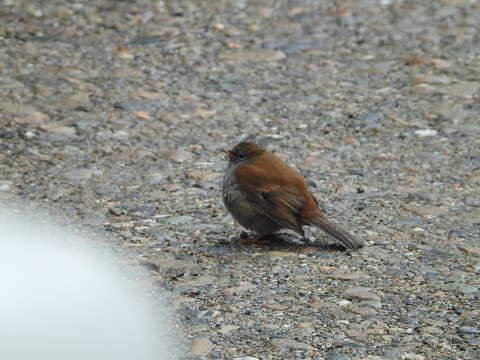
[[146, 40]]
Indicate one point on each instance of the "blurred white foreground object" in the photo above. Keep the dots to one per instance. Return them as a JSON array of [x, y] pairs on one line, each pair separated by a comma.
[[62, 300]]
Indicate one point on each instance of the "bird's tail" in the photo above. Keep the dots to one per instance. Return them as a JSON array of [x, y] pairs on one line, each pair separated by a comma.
[[342, 235]]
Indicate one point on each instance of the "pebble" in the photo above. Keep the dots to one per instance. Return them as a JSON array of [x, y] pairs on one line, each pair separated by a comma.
[[451, 111], [6, 185], [30, 134], [155, 178], [351, 140], [409, 220], [470, 250], [289, 345], [431, 330], [7, 135], [426, 210], [423, 89], [472, 201], [179, 156], [412, 356], [426, 132], [146, 40], [359, 172], [468, 330], [356, 334], [59, 128], [430, 79], [333, 355], [201, 346], [374, 303], [428, 196], [361, 293], [362, 310], [357, 275], [464, 90], [177, 220], [208, 314], [76, 101], [239, 288], [345, 189], [160, 233], [459, 288], [81, 174], [228, 328], [251, 55]]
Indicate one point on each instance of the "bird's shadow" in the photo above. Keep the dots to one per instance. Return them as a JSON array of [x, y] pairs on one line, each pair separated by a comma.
[[284, 242]]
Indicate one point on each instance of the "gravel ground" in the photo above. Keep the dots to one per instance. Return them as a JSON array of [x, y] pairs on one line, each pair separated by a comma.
[[112, 112]]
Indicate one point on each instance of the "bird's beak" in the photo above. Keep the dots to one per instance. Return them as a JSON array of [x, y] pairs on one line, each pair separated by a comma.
[[228, 152]]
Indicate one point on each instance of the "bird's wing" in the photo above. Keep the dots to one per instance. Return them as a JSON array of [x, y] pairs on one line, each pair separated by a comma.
[[271, 195]]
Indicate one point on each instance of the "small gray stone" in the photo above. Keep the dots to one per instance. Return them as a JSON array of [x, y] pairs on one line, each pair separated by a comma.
[[59, 128], [105, 190], [208, 314], [155, 179], [426, 132], [313, 183], [459, 287], [374, 303], [289, 344], [81, 174], [412, 356], [370, 117], [179, 156], [409, 220], [431, 330], [251, 55], [472, 201], [361, 293], [6, 185], [176, 220], [465, 90], [468, 330], [146, 40], [150, 210], [206, 185], [425, 210], [423, 89], [358, 172], [356, 275], [427, 196], [201, 346], [336, 356], [160, 233], [392, 354], [470, 250], [430, 79]]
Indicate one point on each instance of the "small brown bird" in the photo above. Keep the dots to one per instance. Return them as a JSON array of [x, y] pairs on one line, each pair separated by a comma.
[[265, 195]]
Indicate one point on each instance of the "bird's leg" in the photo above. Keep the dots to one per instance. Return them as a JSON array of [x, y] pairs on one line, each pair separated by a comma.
[[244, 234], [246, 237], [307, 241], [253, 237]]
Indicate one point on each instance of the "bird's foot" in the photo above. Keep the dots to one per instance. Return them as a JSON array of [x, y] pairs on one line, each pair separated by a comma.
[[245, 237], [306, 241]]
